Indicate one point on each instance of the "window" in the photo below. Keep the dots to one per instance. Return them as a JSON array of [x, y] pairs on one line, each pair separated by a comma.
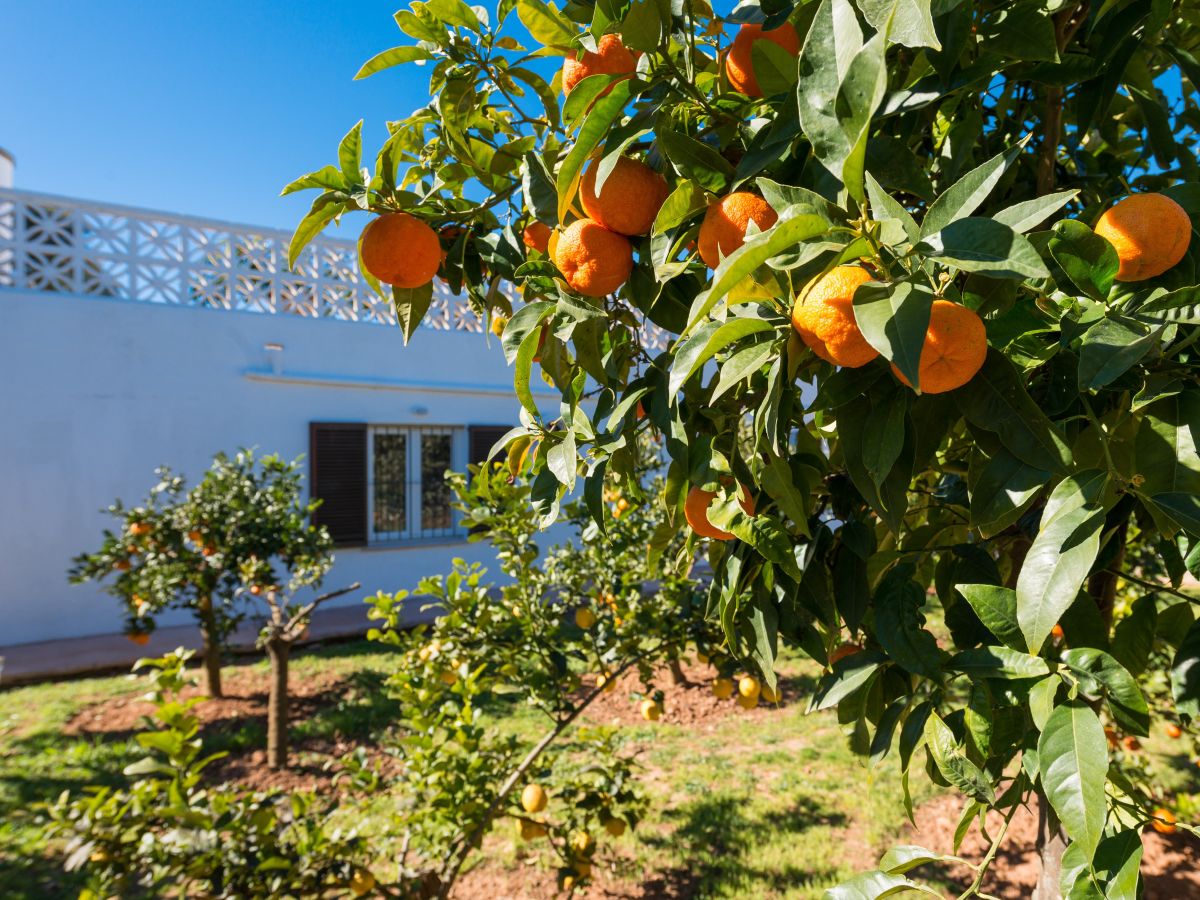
[[408, 497], [385, 484]]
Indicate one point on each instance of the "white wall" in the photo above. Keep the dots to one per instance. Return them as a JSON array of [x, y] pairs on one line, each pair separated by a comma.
[[97, 393]]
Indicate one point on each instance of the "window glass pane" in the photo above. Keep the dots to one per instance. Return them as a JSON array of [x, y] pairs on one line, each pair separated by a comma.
[[391, 473], [435, 493]]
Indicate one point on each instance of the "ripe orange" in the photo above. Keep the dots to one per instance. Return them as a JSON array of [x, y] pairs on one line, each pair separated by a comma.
[[122, 565], [631, 196], [724, 227], [611, 58], [748, 686], [747, 702], [1174, 731], [195, 537], [695, 510], [139, 637], [401, 250], [843, 651], [536, 236], [1150, 232], [1110, 735], [1131, 743], [138, 529], [739, 65], [1164, 821], [824, 318], [722, 688], [1057, 632], [955, 347], [585, 618], [594, 261]]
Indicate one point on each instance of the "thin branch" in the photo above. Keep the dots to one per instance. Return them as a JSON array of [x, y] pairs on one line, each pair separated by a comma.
[[1153, 586]]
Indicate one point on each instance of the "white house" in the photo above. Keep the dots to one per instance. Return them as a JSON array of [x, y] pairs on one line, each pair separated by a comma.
[[131, 339]]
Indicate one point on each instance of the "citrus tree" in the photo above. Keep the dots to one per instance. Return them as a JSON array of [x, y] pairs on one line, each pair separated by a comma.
[[926, 274], [242, 531]]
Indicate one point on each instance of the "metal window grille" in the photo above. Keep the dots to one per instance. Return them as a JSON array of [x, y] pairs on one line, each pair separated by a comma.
[[410, 500]]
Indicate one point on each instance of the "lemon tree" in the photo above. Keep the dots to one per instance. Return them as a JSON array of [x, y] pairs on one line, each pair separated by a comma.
[[989, 423]]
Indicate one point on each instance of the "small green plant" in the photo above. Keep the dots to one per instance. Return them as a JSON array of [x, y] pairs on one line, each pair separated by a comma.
[[242, 531], [166, 831]]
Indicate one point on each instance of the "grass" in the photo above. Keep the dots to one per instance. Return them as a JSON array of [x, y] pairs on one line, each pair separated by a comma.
[[766, 806]]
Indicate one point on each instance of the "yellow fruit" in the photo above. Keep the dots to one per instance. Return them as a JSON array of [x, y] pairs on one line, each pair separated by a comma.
[[362, 882], [498, 325], [531, 831], [955, 348], [606, 682], [628, 201], [615, 827], [724, 228], [593, 260], [748, 686], [622, 504], [1164, 821], [585, 618], [611, 58], [583, 868], [400, 250], [769, 695], [651, 710], [702, 658], [582, 842], [747, 702], [722, 688], [695, 510], [739, 65], [1150, 232], [823, 316], [533, 798]]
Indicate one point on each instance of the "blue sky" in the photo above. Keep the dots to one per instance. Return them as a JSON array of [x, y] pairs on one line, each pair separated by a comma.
[[199, 108]]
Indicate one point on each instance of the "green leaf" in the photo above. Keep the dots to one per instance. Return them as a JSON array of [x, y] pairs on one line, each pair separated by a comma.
[[886, 424], [1003, 491], [539, 190], [783, 236], [1185, 674], [967, 194], [1111, 875], [547, 25], [1167, 445], [695, 160], [984, 246], [411, 305], [884, 208], [907, 857], [389, 58], [1023, 216], [1133, 638], [562, 460], [1181, 306], [911, 22], [778, 482], [1057, 564], [604, 112], [1072, 751], [542, 89], [681, 204], [876, 885], [894, 319], [1181, 507], [1089, 260], [527, 320], [848, 676], [1041, 700], [899, 624], [706, 342], [646, 24], [998, 662], [350, 154], [1110, 348], [327, 207], [741, 365], [952, 761], [774, 68], [456, 13], [995, 400], [1098, 673], [996, 607]]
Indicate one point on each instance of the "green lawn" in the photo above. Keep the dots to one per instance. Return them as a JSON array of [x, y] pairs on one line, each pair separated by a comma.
[[748, 806]]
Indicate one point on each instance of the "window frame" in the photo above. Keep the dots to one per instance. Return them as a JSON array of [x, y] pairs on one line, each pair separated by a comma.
[[413, 534]]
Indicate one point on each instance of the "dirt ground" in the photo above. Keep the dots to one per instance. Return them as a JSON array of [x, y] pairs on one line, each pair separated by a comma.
[[1171, 864]]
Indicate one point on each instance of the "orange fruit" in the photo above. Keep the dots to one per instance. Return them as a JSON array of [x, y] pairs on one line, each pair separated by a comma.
[[748, 686], [195, 537], [695, 510], [1131, 743], [746, 702], [533, 798], [1150, 232], [138, 529], [122, 565], [401, 250], [1057, 632], [532, 830], [739, 65], [1174, 731], [843, 651], [611, 58], [139, 637], [722, 688], [955, 347], [536, 236], [631, 196], [724, 227], [1110, 735], [594, 261], [1164, 821], [824, 318]]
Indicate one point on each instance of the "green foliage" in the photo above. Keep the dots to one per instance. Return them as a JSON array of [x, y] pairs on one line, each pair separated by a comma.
[[164, 830], [962, 152]]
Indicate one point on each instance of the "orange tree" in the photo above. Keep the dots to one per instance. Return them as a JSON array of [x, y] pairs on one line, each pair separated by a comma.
[[975, 419], [211, 549]]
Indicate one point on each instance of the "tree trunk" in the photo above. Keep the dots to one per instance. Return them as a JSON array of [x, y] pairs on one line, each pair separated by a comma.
[[677, 676], [1051, 842], [277, 705], [212, 648]]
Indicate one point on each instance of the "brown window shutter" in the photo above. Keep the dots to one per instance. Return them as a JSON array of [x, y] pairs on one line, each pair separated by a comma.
[[338, 463], [481, 439]]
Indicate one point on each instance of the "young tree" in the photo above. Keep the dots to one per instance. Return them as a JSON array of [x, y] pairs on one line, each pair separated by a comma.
[[209, 548], [937, 258]]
